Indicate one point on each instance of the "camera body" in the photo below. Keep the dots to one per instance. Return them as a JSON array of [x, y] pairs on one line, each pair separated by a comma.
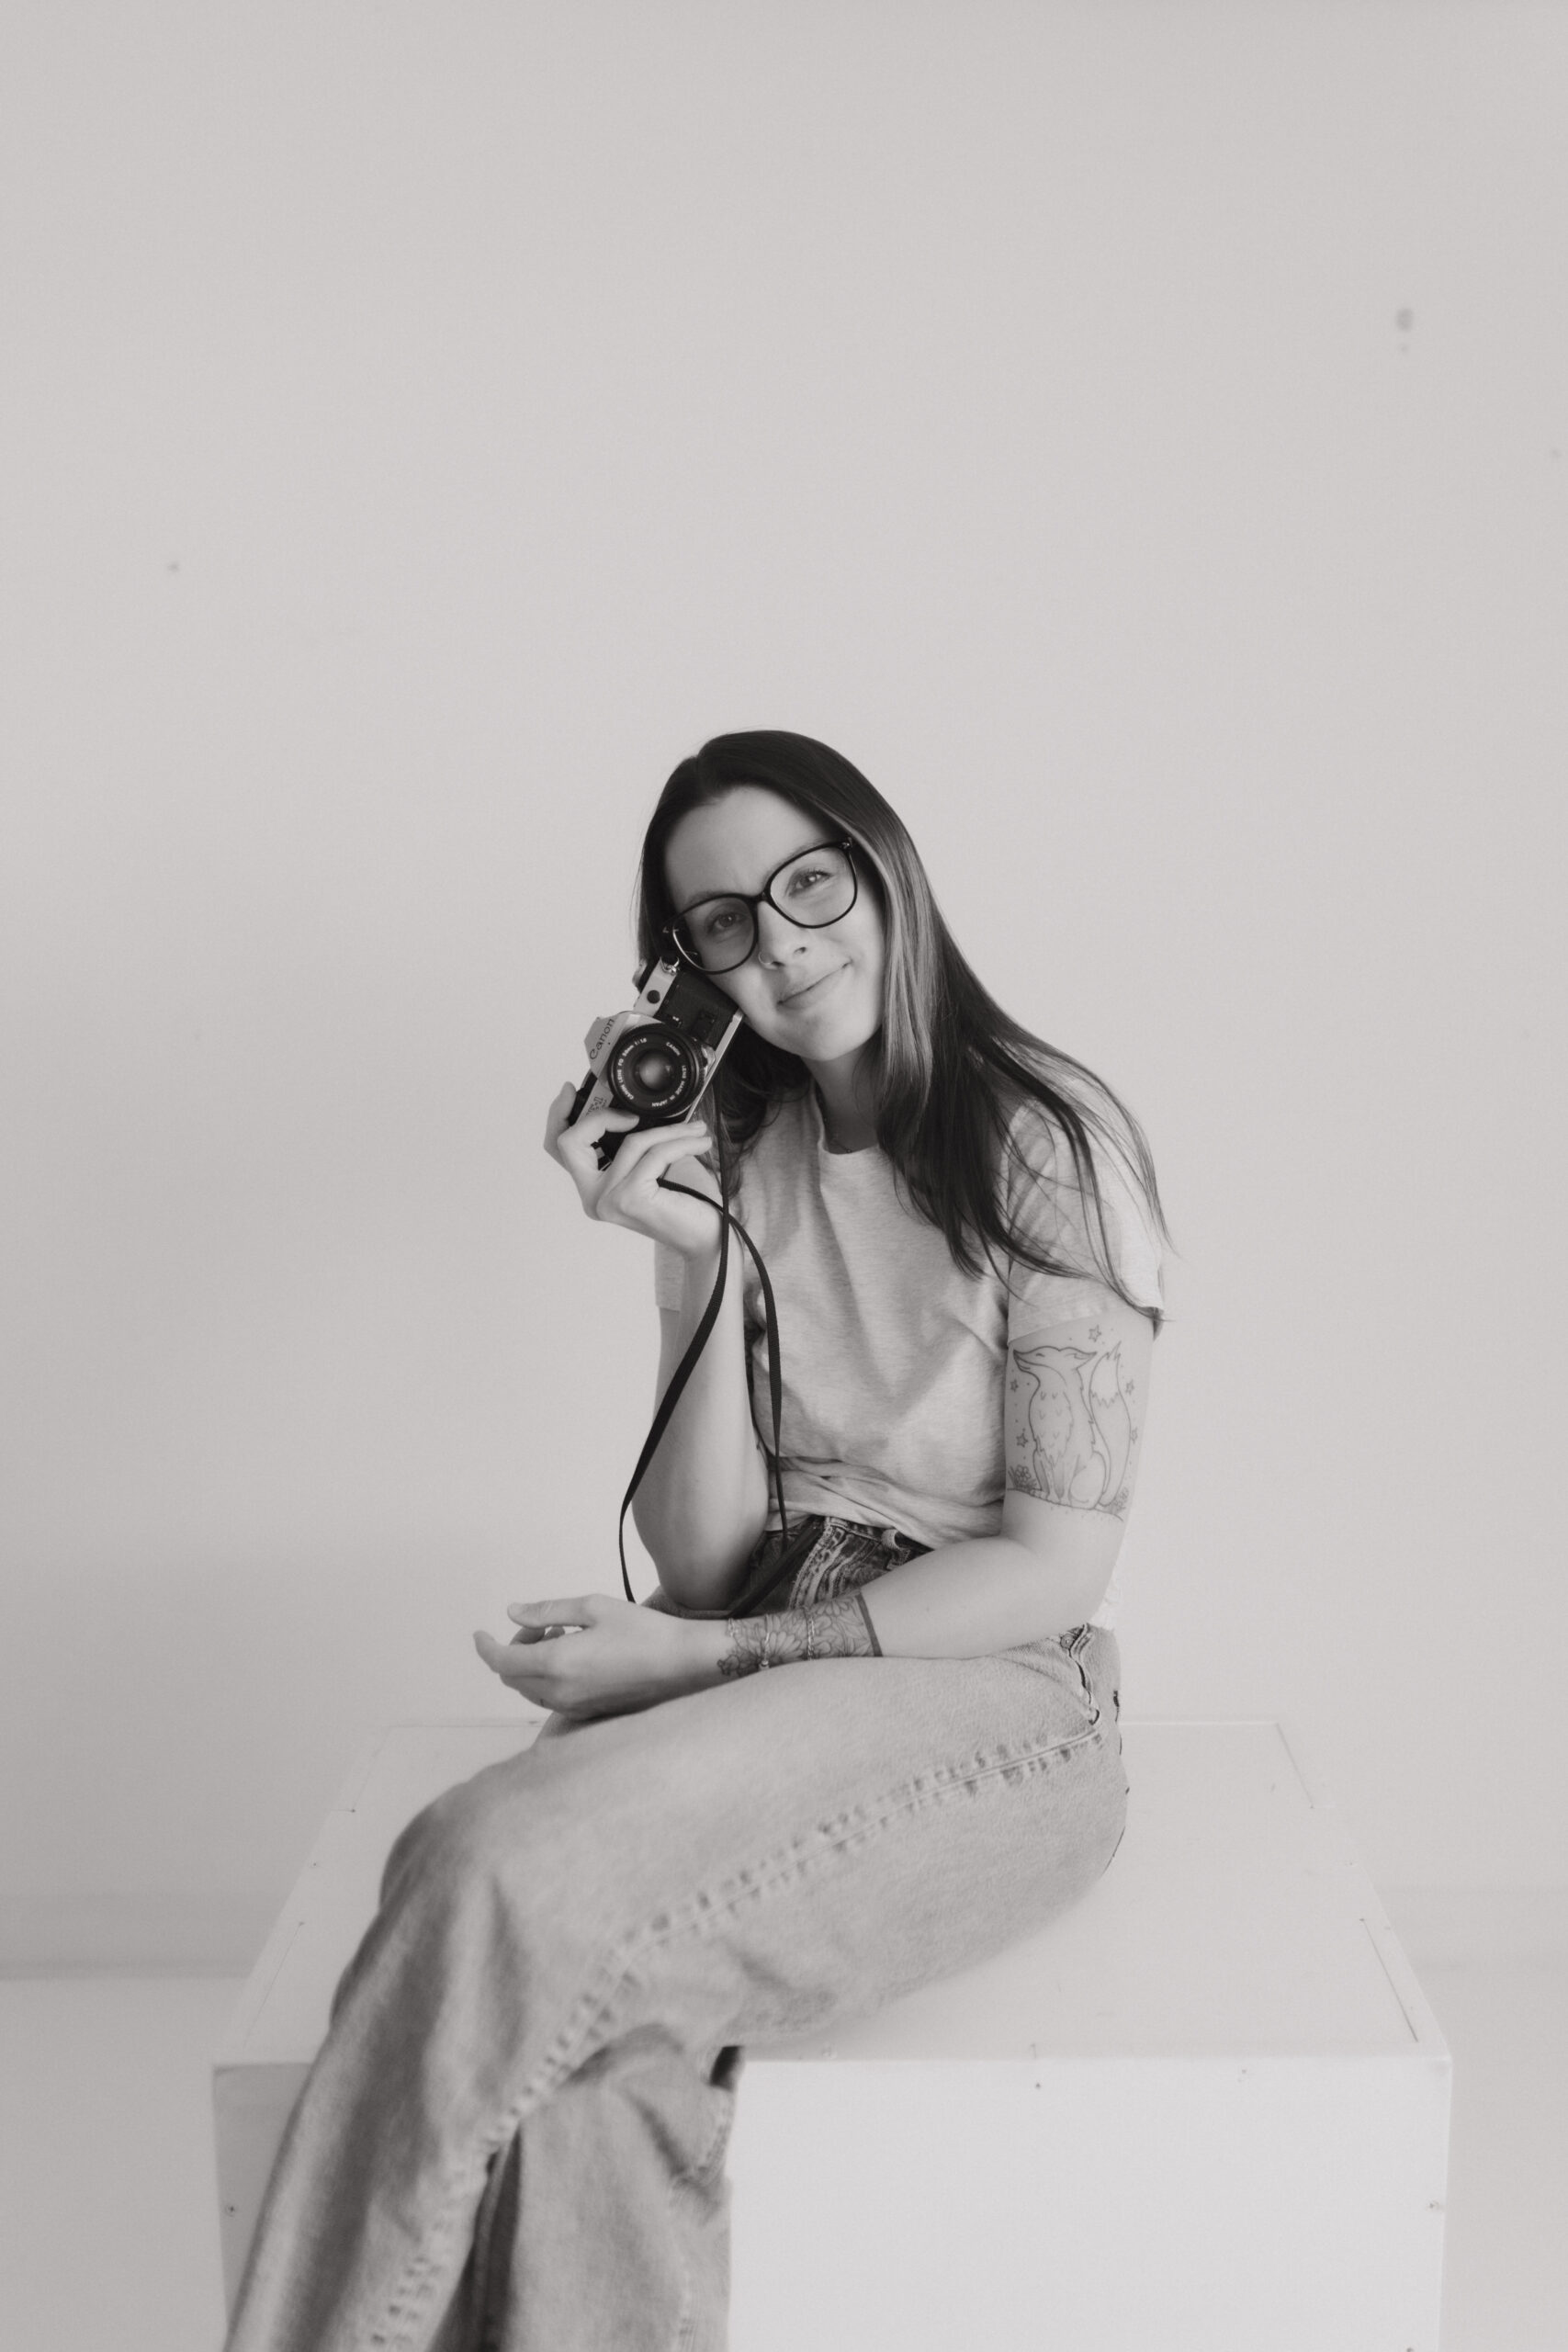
[[658, 1058]]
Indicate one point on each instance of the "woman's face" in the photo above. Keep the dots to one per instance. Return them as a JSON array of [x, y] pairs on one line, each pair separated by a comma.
[[816, 993]]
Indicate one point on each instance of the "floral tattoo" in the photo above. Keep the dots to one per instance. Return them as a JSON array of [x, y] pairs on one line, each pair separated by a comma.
[[839, 1628]]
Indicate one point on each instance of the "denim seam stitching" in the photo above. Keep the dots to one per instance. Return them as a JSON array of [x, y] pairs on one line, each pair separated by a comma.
[[713, 2150], [596, 2004], [765, 1878], [421, 2275]]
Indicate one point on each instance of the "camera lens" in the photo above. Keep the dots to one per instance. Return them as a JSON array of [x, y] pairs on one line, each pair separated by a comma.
[[655, 1072]]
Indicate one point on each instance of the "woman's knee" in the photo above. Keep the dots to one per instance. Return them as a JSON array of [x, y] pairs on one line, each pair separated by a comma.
[[456, 1841]]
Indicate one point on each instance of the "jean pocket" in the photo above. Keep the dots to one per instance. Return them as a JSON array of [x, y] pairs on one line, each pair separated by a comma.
[[845, 1557]]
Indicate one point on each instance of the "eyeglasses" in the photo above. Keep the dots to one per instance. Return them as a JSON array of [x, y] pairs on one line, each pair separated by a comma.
[[813, 888]]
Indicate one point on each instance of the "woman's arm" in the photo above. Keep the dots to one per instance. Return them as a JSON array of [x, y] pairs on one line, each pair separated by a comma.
[[597, 1655], [1072, 1426], [1073, 1423], [967, 1599], [703, 1497]]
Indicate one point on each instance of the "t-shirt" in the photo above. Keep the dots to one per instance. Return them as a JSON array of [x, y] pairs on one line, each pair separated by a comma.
[[893, 1359]]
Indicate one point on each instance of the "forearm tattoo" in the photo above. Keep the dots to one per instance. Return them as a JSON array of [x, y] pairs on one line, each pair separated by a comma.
[[840, 1628], [1072, 1434]]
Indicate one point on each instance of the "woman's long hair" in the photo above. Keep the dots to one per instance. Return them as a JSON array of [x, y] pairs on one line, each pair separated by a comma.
[[950, 1070]]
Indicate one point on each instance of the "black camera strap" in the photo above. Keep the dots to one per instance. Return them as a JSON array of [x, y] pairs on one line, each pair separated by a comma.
[[684, 1370]]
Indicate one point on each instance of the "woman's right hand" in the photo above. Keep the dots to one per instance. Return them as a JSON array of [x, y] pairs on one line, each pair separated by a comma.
[[627, 1192]]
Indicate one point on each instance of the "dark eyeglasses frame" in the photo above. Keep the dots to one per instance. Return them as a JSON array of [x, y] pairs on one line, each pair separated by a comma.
[[753, 900]]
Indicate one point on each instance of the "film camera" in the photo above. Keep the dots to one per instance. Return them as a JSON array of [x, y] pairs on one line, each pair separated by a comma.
[[657, 1060]]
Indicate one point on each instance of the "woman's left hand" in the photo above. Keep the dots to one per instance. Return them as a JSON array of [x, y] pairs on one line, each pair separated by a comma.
[[595, 1656]]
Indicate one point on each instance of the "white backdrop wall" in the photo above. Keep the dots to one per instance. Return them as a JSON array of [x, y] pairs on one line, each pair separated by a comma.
[[1136, 436]]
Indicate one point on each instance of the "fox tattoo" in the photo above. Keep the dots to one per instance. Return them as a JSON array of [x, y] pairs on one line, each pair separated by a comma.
[[1081, 1425]]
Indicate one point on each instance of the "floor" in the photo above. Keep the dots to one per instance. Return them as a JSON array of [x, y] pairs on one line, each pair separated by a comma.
[[108, 2227]]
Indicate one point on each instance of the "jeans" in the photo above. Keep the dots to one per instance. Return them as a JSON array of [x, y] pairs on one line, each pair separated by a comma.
[[513, 2136]]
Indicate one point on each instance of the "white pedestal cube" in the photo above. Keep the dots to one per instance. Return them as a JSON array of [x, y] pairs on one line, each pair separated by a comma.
[[1205, 2111]]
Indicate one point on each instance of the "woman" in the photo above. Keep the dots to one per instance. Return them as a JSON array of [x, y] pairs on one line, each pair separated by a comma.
[[514, 2135]]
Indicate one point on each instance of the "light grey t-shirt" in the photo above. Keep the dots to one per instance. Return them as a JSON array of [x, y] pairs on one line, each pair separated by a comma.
[[893, 1360]]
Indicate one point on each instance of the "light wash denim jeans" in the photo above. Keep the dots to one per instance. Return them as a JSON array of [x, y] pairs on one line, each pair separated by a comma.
[[515, 2135]]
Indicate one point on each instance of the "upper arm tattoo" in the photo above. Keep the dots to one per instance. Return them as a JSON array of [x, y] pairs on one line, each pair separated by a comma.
[[1073, 1423]]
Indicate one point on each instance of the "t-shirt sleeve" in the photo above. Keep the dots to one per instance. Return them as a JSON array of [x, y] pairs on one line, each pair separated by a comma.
[[1051, 1208]]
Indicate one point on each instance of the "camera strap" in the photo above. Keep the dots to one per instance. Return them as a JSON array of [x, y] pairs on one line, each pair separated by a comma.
[[684, 1370]]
